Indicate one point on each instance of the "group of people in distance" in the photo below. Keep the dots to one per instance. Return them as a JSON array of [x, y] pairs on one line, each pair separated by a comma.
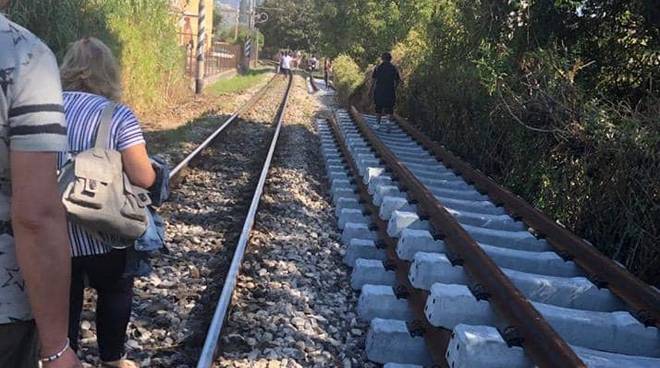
[[46, 113], [288, 60], [385, 80]]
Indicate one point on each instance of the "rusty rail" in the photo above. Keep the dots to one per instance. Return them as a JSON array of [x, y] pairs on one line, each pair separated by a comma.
[[178, 171], [525, 324], [642, 300], [436, 339], [210, 348]]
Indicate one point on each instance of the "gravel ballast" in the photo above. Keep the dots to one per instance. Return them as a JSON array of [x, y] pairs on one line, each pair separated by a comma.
[[293, 306], [171, 307]]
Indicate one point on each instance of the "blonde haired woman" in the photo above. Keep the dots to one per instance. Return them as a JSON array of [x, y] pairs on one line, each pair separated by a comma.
[[91, 81]]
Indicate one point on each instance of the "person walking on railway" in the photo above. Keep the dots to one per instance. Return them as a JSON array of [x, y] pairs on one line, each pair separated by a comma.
[[327, 71], [34, 251], [91, 81], [386, 79], [286, 63]]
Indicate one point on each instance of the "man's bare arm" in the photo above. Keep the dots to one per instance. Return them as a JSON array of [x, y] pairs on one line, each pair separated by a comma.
[[42, 244]]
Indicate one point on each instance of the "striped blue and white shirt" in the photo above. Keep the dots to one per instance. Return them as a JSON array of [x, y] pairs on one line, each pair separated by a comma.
[[83, 115]]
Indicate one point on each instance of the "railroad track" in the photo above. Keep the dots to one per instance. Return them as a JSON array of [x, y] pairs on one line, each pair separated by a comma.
[[213, 187], [211, 342], [178, 175], [455, 271], [178, 172]]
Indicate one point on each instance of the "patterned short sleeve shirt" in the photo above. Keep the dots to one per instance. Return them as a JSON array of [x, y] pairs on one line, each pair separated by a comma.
[[31, 119]]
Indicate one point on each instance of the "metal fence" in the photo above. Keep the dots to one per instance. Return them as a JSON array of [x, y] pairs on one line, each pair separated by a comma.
[[222, 57], [217, 59]]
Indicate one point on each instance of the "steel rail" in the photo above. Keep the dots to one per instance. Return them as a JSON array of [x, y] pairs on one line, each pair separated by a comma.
[[207, 355], [437, 339], [540, 341], [642, 300], [179, 168]]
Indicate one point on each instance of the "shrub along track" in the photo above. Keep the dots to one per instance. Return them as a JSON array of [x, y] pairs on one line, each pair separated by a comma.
[[171, 307]]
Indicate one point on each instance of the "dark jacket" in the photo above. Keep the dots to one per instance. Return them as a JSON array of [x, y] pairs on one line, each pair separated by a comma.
[[386, 78]]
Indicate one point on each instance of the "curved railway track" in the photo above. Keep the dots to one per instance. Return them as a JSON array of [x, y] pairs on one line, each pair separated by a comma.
[[455, 271]]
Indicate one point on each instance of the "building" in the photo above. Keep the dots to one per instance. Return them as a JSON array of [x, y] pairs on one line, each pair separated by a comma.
[[188, 14]]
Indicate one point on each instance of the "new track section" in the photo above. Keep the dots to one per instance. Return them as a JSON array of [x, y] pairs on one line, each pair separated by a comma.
[[450, 276]]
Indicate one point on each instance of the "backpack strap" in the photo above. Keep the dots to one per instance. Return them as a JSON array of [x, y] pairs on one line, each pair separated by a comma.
[[103, 132]]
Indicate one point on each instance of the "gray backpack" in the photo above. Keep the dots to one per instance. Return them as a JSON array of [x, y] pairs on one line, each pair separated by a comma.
[[98, 195]]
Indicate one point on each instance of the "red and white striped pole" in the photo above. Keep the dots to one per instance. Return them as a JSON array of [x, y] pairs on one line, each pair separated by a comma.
[[201, 42]]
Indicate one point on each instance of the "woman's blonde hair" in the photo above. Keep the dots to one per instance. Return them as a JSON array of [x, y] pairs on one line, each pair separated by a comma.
[[89, 66]]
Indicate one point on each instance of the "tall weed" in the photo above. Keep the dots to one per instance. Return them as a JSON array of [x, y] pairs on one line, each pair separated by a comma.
[[347, 76], [142, 33]]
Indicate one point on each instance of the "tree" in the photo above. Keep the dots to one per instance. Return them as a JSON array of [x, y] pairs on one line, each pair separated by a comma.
[[217, 19], [292, 24], [347, 24]]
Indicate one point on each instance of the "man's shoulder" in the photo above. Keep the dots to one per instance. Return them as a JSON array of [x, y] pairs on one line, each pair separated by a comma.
[[18, 44]]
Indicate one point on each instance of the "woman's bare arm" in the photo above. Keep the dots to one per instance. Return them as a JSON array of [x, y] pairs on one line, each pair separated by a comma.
[[137, 166]]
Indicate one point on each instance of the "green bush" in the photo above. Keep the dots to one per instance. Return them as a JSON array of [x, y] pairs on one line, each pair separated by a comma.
[[590, 163], [142, 33], [228, 34], [347, 76]]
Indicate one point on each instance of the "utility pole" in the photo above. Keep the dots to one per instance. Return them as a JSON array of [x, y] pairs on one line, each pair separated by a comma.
[[252, 12], [254, 30], [238, 22], [251, 24], [256, 39], [201, 42]]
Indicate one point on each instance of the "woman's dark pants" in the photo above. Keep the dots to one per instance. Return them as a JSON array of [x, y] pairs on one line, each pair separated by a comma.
[[105, 273]]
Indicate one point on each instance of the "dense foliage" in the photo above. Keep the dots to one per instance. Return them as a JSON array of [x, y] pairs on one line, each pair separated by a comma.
[[237, 35], [348, 78], [292, 25], [141, 32], [555, 99]]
